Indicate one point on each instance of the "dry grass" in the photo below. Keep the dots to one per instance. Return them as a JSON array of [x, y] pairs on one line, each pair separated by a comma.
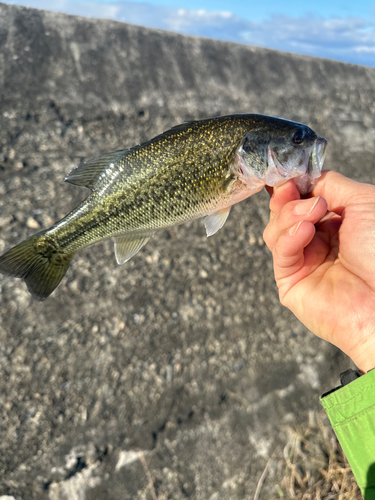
[[315, 466]]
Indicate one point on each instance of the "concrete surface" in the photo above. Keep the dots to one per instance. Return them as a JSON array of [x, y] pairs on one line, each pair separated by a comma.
[[173, 376]]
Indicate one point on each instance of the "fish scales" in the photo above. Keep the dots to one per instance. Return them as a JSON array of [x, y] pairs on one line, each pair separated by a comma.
[[195, 169]]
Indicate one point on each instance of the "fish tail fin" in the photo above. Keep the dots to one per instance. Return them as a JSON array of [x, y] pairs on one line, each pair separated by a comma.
[[39, 262]]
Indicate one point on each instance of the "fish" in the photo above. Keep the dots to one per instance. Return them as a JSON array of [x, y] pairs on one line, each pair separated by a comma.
[[197, 169]]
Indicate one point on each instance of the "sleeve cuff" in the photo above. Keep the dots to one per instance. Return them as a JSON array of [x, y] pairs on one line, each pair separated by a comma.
[[351, 411]]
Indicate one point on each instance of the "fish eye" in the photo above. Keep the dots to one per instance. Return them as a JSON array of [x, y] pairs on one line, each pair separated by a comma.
[[299, 136]]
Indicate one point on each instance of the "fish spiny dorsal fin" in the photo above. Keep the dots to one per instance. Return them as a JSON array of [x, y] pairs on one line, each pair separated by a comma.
[[181, 126], [127, 246], [86, 174]]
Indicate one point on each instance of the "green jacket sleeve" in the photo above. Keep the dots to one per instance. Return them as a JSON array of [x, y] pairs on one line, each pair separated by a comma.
[[351, 411]]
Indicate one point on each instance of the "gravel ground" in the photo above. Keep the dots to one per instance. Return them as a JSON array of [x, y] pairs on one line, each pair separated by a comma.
[[173, 376]]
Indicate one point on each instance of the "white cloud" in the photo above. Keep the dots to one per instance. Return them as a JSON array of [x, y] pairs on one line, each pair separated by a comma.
[[365, 49], [197, 21], [333, 38], [349, 39]]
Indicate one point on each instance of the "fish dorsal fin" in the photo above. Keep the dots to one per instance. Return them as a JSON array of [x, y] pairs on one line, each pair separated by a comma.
[[216, 221], [181, 126], [86, 174], [127, 246]]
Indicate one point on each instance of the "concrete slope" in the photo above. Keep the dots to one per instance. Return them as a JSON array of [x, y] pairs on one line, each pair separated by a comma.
[[174, 375]]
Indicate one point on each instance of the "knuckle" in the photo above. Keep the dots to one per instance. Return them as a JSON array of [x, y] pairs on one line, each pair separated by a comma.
[[267, 236], [283, 293]]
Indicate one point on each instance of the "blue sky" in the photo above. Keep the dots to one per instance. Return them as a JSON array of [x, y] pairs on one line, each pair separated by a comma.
[[334, 29]]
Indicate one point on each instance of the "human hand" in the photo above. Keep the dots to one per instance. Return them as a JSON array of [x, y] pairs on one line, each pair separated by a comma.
[[323, 251]]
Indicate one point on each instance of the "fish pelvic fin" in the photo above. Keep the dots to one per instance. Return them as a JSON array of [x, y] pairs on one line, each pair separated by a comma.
[[38, 261], [216, 221]]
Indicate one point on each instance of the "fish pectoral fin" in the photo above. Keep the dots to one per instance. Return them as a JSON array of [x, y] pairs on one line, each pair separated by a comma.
[[216, 221], [86, 174], [127, 246]]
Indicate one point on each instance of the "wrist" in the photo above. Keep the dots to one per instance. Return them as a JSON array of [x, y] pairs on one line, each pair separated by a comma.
[[364, 357]]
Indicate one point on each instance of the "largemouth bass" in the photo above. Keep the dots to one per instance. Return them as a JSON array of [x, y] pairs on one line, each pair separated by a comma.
[[197, 169]]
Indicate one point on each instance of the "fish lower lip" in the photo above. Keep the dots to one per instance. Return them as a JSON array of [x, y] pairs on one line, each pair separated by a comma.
[[321, 144], [317, 155]]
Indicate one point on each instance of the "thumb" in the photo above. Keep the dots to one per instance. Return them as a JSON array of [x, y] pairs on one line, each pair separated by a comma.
[[340, 191]]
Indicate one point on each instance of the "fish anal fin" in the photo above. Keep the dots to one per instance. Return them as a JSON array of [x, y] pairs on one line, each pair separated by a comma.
[[127, 246], [86, 174], [216, 221]]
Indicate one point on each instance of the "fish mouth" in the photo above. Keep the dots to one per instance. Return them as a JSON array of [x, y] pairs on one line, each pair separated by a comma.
[[305, 174], [317, 157], [305, 171], [305, 183]]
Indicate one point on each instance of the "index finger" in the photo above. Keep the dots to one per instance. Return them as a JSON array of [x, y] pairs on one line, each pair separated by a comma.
[[282, 195]]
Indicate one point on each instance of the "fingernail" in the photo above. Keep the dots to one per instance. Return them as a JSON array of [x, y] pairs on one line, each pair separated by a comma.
[[293, 230], [305, 207]]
